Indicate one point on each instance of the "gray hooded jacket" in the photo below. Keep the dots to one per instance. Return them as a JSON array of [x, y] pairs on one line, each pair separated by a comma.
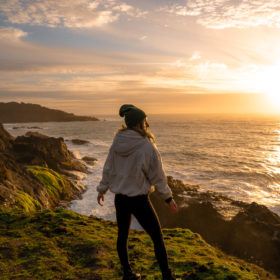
[[133, 166]]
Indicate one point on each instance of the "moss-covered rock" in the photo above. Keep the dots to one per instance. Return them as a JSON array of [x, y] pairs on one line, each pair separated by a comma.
[[53, 182], [62, 244], [58, 187], [52, 188], [26, 202], [28, 187]]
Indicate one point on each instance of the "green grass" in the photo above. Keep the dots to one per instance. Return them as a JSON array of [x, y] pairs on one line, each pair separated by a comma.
[[55, 187], [62, 244], [26, 202], [54, 182]]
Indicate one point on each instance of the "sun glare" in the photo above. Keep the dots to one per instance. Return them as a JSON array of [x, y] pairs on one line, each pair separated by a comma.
[[268, 83], [272, 86], [273, 96]]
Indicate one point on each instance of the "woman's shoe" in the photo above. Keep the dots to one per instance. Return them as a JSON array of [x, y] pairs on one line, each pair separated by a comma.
[[131, 276], [168, 275]]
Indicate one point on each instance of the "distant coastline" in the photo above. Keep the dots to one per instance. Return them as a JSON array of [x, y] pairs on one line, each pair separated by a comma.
[[14, 112]]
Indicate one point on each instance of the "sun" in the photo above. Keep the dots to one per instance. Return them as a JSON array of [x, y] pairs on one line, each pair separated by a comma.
[[268, 83], [273, 96]]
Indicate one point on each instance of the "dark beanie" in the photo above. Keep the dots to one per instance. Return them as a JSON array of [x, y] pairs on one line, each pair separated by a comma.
[[132, 115]]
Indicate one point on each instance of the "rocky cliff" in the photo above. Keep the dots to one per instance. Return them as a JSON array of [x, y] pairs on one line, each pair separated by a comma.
[[13, 112], [31, 171], [249, 231], [35, 148]]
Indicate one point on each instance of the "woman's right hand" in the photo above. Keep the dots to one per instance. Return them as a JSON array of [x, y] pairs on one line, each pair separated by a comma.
[[173, 206], [99, 198]]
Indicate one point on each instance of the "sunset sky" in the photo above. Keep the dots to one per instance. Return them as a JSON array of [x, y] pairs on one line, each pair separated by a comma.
[[88, 57]]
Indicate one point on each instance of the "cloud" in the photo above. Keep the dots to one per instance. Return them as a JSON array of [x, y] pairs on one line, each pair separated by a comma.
[[67, 13], [129, 10], [144, 37], [195, 56], [35, 68], [220, 14], [11, 34]]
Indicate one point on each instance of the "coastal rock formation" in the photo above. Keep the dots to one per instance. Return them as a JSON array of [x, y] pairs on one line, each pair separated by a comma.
[[39, 149], [89, 160], [5, 139], [249, 231], [13, 112], [28, 177]]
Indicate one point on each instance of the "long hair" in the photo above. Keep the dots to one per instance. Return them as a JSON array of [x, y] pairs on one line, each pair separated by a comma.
[[142, 130]]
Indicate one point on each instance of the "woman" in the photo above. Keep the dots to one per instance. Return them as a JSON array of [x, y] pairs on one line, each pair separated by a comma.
[[132, 167]]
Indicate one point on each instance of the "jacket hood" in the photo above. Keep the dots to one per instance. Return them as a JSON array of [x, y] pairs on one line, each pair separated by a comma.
[[127, 142]]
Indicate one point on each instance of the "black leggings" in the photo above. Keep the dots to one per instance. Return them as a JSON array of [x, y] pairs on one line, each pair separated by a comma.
[[140, 206]]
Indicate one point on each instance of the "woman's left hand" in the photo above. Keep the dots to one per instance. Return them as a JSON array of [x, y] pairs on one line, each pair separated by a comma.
[[173, 206], [99, 198]]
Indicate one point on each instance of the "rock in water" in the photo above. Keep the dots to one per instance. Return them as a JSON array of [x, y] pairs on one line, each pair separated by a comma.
[[89, 160], [79, 141]]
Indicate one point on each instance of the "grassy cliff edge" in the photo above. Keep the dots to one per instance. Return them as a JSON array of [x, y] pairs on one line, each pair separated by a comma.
[[62, 244]]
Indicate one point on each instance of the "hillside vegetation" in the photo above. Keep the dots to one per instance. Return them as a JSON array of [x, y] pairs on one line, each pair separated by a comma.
[[62, 244]]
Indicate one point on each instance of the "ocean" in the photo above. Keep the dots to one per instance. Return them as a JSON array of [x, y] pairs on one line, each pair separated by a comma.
[[236, 156]]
